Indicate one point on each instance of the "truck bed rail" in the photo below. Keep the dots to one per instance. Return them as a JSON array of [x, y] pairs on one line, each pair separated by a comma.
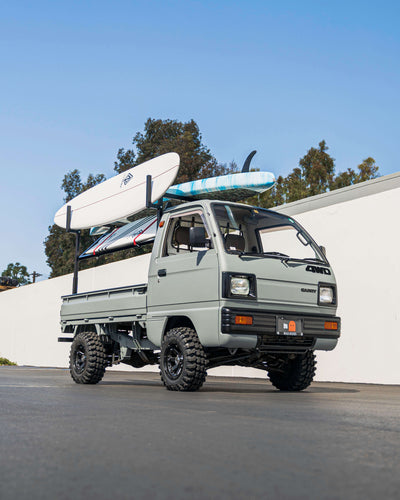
[[126, 303]]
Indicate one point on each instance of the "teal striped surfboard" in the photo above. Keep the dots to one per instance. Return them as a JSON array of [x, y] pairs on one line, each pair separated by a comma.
[[233, 187]]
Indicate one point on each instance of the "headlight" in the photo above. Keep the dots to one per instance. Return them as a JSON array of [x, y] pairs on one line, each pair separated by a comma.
[[326, 295], [240, 286]]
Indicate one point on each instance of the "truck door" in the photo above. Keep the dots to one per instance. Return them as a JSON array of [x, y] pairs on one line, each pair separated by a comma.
[[181, 277]]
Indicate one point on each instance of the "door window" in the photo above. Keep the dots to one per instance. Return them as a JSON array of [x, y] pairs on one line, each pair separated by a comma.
[[177, 238]]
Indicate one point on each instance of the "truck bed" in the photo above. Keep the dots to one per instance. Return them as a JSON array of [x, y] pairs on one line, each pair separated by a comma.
[[111, 305]]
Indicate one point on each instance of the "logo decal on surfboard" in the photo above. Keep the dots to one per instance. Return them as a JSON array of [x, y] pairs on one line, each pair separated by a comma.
[[126, 179]]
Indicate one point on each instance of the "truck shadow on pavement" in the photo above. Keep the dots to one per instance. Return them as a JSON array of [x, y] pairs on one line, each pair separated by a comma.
[[234, 388], [271, 390]]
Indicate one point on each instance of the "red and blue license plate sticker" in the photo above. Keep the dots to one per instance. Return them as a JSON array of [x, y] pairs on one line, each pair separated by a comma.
[[289, 326]]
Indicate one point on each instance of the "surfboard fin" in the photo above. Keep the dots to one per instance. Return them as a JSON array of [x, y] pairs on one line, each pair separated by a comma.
[[246, 164]]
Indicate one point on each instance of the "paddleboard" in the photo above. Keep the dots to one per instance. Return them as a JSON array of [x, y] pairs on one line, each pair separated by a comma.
[[233, 187], [131, 235], [122, 195]]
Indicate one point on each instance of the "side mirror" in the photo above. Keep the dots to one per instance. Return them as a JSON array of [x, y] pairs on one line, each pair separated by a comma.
[[323, 250], [99, 230], [197, 237]]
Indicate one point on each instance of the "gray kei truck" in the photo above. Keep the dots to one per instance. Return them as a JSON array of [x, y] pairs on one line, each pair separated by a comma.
[[228, 284]]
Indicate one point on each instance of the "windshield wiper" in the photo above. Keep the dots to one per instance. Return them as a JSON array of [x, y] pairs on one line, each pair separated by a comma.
[[284, 257], [275, 255], [315, 261]]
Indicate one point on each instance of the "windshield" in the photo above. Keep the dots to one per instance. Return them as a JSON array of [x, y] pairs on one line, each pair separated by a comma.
[[255, 231]]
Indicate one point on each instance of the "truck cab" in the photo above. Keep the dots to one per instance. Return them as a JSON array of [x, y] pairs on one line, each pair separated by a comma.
[[253, 271]]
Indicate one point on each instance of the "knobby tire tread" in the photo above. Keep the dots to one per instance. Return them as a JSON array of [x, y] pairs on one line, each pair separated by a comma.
[[96, 359], [195, 368], [298, 376]]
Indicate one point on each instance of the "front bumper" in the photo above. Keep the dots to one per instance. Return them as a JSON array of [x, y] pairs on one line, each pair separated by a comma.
[[264, 326]]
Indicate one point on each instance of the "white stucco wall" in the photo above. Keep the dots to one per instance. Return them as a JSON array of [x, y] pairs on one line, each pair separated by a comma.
[[30, 315], [362, 241]]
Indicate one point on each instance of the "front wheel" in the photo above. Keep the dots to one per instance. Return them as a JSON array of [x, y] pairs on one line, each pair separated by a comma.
[[87, 360], [182, 360], [288, 372]]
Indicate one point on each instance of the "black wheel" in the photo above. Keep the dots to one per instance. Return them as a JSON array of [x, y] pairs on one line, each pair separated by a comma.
[[292, 372], [182, 360], [87, 359]]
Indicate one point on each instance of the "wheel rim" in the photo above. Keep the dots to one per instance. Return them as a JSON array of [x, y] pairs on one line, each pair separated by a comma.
[[80, 359], [173, 359]]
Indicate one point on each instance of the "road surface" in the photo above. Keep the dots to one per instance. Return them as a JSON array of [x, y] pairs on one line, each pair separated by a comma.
[[128, 437]]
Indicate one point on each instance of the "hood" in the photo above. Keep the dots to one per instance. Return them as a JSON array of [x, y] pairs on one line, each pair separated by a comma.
[[284, 284]]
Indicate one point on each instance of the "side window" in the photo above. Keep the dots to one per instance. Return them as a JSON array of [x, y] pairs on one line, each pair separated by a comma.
[[237, 234], [177, 238]]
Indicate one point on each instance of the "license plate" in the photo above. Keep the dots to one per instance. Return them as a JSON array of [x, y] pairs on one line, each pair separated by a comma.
[[289, 326]]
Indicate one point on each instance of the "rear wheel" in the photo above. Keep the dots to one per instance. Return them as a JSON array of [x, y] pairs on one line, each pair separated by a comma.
[[288, 372], [87, 360], [182, 360]]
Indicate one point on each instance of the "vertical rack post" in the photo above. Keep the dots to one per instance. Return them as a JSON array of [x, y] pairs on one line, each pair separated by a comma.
[[76, 262], [77, 244], [148, 191], [149, 204]]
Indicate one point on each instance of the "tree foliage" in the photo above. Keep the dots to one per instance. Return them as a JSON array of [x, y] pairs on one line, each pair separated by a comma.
[[73, 185], [162, 136], [17, 271], [315, 175], [366, 170]]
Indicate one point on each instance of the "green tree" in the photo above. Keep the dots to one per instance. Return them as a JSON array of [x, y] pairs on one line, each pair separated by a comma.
[[162, 136], [72, 183], [17, 271], [317, 169], [315, 175], [366, 170]]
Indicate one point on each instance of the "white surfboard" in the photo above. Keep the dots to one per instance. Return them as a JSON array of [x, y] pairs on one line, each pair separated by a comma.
[[122, 195]]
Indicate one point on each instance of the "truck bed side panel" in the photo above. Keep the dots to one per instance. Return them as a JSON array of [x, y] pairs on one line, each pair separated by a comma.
[[116, 304]]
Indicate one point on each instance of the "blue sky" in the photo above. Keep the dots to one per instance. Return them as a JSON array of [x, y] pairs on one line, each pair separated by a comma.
[[79, 79]]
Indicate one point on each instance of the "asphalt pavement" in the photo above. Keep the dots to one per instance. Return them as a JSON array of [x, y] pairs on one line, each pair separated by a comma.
[[128, 437]]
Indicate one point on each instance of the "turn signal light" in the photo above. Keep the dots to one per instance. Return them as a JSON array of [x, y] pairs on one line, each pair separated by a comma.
[[331, 325], [161, 223], [243, 320]]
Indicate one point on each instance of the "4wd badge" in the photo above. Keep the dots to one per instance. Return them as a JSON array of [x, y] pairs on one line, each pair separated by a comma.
[[317, 269]]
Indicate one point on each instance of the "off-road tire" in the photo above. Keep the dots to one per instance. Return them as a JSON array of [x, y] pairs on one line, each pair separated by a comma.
[[87, 359], [295, 374], [182, 360]]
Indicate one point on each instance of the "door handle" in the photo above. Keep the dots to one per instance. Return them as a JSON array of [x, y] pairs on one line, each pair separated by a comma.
[[162, 272]]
